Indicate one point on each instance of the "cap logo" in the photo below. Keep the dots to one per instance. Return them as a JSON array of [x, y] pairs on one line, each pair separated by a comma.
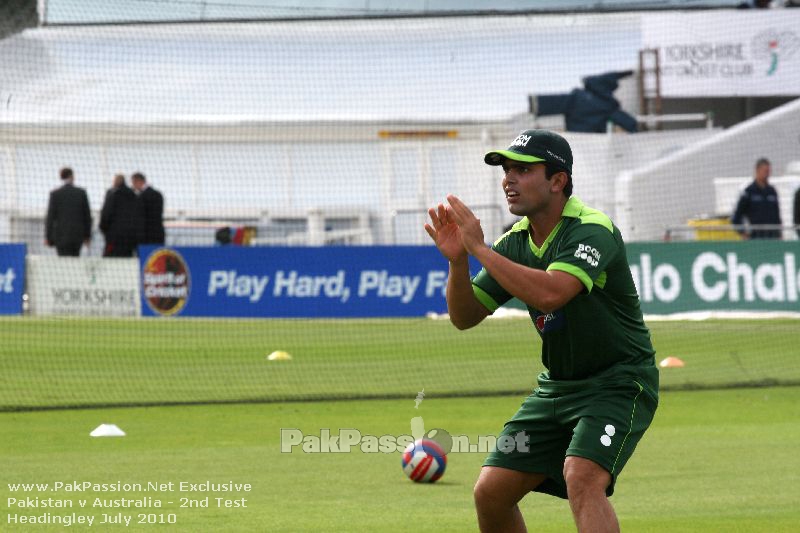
[[521, 140], [556, 156]]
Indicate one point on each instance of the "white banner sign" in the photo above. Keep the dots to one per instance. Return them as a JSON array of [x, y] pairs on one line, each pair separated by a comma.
[[83, 286], [726, 53]]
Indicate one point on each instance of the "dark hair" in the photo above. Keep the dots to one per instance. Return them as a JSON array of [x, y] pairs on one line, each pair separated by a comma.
[[551, 169], [762, 161], [66, 173], [138, 176]]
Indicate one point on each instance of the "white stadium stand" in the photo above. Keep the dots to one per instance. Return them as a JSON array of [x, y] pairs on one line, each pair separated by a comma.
[[234, 124]]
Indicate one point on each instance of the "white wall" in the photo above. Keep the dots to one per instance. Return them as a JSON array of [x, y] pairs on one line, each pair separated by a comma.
[[676, 188], [225, 172], [600, 158], [218, 174]]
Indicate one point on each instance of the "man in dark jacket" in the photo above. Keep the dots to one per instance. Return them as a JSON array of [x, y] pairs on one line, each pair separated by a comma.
[[591, 108], [151, 205], [758, 204], [120, 220], [68, 224], [797, 212]]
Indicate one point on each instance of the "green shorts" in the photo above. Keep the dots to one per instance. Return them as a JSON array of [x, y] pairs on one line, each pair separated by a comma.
[[599, 419]]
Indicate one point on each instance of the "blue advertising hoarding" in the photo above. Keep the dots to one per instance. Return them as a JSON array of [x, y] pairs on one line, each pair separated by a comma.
[[12, 278], [346, 281]]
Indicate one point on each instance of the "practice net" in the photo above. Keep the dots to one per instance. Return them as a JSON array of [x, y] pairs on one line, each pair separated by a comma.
[[322, 139]]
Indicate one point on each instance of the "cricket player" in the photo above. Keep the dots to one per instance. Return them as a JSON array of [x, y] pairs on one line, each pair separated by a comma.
[[573, 435]]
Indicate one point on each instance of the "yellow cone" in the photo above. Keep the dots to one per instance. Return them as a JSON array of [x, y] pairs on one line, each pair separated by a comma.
[[671, 362], [279, 355]]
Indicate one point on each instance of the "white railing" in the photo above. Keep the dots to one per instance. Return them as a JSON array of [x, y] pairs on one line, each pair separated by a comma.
[[727, 232], [653, 120]]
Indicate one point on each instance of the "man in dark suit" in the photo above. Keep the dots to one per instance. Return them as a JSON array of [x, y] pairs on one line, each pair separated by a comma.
[[151, 204], [120, 220], [797, 212], [68, 224]]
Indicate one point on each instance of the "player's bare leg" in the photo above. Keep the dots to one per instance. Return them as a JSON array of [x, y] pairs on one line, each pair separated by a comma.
[[586, 487], [497, 493]]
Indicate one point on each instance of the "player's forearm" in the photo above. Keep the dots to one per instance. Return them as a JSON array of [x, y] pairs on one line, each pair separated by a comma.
[[464, 309], [535, 288]]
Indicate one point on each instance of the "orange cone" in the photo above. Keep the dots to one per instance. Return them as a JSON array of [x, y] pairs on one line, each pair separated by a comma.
[[671, 362]]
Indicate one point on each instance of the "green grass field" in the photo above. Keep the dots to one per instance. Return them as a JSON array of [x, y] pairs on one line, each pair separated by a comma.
[[720, 459], [712, 461], [80, 362]]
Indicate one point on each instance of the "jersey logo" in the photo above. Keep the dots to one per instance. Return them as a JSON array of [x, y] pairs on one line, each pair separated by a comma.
[[550, 321], [589, 254]]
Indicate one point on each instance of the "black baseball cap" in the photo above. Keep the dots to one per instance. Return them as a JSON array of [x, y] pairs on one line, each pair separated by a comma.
[[535, 146]]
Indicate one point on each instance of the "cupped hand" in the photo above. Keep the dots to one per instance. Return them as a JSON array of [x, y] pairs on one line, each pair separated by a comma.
[[445, 233], [470, 226]]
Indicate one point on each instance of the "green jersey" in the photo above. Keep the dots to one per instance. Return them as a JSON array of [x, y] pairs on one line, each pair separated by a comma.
[[602, 327]]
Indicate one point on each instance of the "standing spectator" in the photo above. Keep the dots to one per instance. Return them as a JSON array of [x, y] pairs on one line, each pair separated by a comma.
[[797, 212], [69, 222], [151, 204], [120, 220], [117, 181], [759, 205]]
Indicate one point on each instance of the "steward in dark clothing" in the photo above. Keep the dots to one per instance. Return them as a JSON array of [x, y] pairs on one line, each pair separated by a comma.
[[121, 222], [797, 211], [759, 206]]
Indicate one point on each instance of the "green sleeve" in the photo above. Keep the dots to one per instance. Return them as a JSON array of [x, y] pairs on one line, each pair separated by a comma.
[[486, 289], [586, 253]]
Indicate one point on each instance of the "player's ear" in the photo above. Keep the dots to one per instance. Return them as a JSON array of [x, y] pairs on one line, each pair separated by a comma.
[[558, 181]]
